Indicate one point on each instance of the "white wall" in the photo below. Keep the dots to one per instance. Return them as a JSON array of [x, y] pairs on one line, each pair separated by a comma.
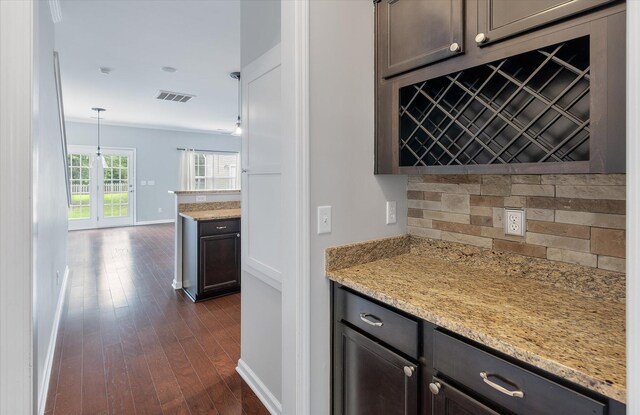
[[156, 159], [633, 202], [49, 201], [261, 347], [341, 158], [259, 28]]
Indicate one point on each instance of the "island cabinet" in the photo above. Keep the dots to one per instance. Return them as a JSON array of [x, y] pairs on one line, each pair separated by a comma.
[[210, 257], [387, 362], [500, 86]]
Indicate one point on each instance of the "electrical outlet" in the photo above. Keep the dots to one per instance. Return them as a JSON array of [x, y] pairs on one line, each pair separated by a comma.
[[201, 198], [391, 212], [514, 222], [159, 210], [324, 219]]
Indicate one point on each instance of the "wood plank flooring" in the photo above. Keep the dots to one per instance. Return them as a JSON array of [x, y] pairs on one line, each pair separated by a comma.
[[130, 344]]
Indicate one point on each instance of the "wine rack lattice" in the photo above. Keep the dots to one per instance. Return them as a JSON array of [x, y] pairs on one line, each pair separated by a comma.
[[528, 108]]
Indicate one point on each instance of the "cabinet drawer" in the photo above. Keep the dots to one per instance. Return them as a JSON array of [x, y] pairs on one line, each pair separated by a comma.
[[216, 227], [383, 323], [496, 379]]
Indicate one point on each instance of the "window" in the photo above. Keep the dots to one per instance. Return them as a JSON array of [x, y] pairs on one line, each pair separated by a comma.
[[216, 171]]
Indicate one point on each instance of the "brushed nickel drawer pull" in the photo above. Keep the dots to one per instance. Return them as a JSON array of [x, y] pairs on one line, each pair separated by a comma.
[[514, 394], [221, 227], [371, 319]]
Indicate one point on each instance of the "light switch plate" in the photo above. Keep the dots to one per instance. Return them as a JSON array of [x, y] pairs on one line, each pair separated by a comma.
[[514, 222], [151, 182], [391, 212], [143, 182], [201, 198], [324, 219]]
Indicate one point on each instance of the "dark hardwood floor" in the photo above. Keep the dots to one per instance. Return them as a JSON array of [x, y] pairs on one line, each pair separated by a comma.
[[130, 344]]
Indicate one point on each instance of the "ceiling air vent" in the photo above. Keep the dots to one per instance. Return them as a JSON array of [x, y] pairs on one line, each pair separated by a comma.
[[174, 96]]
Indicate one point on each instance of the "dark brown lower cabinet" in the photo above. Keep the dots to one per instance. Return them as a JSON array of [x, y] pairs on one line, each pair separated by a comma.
[[447, 400], [376, 371], [371, 379], [210, 257]]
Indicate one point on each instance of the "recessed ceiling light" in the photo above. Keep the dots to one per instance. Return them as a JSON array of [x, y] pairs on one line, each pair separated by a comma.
[[170, 69], [105, 71]]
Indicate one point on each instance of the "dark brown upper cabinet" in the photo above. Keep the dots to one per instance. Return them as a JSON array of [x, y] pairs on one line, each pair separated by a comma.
[[414, 33], [548, 98], [499, 19]]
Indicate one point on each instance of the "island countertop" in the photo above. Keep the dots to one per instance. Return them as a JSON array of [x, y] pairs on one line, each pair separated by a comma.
[[568, 320], [211, 214]]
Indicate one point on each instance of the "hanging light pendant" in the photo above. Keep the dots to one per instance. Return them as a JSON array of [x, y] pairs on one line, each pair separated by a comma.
[[237, 131], [99, 156]]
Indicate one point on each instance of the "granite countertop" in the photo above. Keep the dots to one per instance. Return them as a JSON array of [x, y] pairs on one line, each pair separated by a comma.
[[211, 214], [566, 319], [200, 192]]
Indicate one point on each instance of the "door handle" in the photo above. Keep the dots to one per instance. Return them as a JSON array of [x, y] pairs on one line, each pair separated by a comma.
[[245, 170]]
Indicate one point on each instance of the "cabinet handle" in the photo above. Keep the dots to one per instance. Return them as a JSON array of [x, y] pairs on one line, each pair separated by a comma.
[[455, 47], [237, 235], [221, 227], [514, 394], [481, 38], [408, 371], [371, 319], [434, 387]]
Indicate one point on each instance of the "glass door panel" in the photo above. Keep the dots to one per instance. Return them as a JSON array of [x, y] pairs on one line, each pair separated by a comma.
[[101, 196], [82, 190], [117, 189]]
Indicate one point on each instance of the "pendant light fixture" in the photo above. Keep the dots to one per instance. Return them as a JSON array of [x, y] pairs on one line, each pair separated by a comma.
[[237, 131], [99, 156]]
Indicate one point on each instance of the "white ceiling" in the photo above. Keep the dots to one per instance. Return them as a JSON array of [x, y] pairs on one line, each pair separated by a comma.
[[136, 38]]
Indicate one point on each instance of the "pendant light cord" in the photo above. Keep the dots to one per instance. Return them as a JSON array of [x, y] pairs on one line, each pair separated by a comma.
[[239, 97], [99, 133]]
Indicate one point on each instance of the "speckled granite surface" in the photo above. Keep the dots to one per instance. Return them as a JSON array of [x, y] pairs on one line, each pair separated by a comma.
[[566, 319], [212, 214], [192, 207], [200, 192]]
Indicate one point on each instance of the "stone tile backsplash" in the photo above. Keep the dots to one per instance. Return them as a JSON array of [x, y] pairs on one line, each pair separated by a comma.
[[575, 218]]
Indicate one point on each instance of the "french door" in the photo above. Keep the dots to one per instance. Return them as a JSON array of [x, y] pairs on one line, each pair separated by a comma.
[[101, 196]]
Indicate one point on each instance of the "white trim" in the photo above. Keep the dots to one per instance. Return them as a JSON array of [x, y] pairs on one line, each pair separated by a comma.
[[267, 278], [259, 388], [296, 333], [633, 207], [17, 378], [48, 364], [154, 222]]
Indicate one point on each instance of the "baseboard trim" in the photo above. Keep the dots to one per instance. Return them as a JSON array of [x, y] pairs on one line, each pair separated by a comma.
[[42, 399], [262, 392], [154, 222]]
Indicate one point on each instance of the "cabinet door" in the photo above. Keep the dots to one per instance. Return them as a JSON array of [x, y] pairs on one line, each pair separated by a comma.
[[499, 19], [370, 379], [450, 401], [219, 262], [414, 33]]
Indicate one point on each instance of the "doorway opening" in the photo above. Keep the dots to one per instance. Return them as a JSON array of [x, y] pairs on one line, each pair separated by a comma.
[[102, 194]]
